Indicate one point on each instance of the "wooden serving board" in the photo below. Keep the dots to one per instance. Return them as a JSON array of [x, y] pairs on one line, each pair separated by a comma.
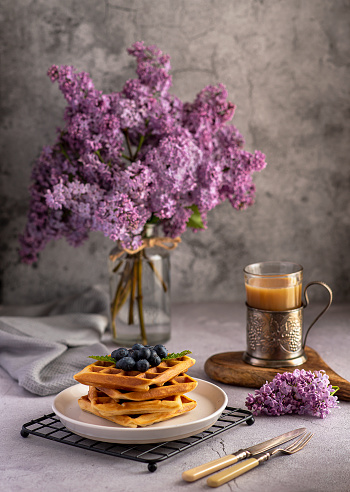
[[229, 368]]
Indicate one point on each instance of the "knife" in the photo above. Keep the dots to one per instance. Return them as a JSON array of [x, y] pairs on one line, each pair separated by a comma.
[[203, 470]]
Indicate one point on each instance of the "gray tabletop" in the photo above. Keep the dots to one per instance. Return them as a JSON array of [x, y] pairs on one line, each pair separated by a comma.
[[208, 328]]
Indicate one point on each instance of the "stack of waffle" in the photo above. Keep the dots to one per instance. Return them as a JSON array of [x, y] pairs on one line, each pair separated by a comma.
[[138, 399]]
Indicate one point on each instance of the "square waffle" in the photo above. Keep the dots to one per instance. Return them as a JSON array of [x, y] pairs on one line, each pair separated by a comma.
[[183, 383], [142, 420], [108, 407], [106, 375]]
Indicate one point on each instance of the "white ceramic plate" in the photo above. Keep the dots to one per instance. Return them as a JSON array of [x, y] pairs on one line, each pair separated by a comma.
[[211, 401]]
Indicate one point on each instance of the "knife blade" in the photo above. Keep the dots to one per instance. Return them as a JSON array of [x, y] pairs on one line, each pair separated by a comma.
[[212, 466]]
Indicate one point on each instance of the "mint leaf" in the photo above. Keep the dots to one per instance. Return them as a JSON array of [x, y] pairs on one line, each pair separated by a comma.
[[105, 358], [195, 220], [175, 356]]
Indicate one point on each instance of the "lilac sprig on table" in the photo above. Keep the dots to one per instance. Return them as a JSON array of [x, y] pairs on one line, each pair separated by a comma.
[[136, 157], [300, 392]]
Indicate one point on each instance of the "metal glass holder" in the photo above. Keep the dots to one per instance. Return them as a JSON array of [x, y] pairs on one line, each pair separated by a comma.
[[275, 338], [50, 427]]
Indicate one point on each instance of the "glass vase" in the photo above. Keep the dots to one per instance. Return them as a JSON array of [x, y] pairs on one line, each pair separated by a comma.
[[140, 296]]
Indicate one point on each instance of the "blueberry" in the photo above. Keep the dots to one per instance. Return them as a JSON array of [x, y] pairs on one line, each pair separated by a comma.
[[144, 353], [142, 365], [154, 359], [161, 351], [157, 361], [137, 355], [120, 353], [137, 346], [153, 354], [126, 364]]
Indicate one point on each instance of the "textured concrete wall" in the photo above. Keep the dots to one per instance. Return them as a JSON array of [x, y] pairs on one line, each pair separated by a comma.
[[286, 66]]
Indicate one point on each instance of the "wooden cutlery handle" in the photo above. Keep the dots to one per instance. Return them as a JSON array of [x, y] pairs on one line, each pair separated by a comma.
[[211, 467], [232, 472]]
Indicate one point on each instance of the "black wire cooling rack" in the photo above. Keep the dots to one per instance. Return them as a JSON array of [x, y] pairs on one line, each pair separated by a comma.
[[50, 427]]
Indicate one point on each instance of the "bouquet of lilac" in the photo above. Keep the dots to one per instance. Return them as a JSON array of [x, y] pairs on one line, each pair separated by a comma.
[[137, 157], [300, 392]]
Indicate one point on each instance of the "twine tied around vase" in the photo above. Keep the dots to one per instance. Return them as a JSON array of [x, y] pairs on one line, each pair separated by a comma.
[[167, 243]]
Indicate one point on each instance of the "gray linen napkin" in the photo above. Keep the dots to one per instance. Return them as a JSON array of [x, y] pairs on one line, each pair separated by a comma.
[[43, 346]]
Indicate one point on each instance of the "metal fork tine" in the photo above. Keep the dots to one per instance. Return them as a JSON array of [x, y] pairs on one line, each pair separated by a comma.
[[300, 443], [296, 443], [305, 441]]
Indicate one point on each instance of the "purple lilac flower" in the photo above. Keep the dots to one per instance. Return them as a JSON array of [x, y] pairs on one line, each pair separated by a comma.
[[141, 154], [301, 392], [207, 115], [152, 67]]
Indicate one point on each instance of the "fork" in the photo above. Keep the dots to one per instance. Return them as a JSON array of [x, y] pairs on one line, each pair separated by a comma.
[[246, 465]]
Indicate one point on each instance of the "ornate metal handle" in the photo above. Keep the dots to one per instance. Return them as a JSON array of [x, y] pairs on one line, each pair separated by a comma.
[[307, 303]]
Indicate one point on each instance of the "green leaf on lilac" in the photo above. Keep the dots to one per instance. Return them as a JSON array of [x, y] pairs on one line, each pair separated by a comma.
[[195, 221], [335, 389], [153, 220], [98, 153], [104, 358], [176, 356]]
